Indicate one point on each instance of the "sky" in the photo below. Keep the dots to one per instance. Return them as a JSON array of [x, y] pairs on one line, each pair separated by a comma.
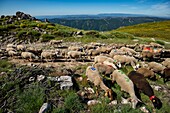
[[75, 7]]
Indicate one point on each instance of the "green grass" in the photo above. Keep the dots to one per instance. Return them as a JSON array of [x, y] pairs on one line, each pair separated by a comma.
[[159, 30]]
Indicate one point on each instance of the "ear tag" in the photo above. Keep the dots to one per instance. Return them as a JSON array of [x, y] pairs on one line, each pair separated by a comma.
[[92, 68]]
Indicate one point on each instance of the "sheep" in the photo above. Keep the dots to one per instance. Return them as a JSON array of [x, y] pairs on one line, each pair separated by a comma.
[[147, 54], [28, 55], [93, 52], [11, 46], [166, 75], [147, 73], [104, 49], [156, 67], [104, 69], [75, 48], [48, 55], [123, 59], [126, 85], [12, 53], [106, 60], [55, 42], [94, 77], [10, 49], [166, 63], [116, 52], [142, 85], [75, 54], [128, 50], [20, 47]]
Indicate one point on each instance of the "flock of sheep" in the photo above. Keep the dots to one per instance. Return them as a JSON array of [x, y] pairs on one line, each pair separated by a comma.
[[146, 61]]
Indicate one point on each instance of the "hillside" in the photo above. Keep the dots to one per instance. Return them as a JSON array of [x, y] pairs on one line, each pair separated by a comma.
[[105, 23], [159, 30]]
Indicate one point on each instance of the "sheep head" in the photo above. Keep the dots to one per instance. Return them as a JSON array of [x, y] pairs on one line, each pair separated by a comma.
[[156, 102]]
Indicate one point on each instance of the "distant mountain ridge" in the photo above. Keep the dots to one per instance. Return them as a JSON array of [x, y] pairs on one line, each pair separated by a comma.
[[101, 22]]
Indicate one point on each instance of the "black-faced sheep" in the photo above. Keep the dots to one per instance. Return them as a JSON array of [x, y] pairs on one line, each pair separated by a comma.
[[126, 85], [94, 77], [147, 73], [142, 85]]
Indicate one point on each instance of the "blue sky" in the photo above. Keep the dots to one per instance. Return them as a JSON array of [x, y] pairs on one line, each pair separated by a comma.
[[68, 7]]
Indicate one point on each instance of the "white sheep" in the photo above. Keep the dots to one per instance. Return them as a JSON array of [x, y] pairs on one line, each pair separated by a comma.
[[126, 85], [75, 54], [166, 63], [117, 52], [28, 55], [128, 50], [11, 46], [10, 49], [106, 60], [20, 47], [48, 55], [55, 42], [12, 53], [124, 59], [156, 67], [94, 77]]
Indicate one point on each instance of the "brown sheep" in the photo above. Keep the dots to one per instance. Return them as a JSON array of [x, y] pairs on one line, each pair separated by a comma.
[[147, 73], [142, 85]]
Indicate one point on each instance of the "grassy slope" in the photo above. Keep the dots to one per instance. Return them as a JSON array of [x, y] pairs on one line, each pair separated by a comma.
[[159, 30]]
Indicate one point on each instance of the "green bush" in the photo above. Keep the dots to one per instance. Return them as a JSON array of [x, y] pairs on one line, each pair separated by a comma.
[[34, 33], [72, 103], [33, 24], [121, 35], [42, 25], [11, 26], [47, 37], [3, 28], [160, 42], [92, 33], [21, 34], [63, 33], [22, 25], [30, 100], [5, 66]]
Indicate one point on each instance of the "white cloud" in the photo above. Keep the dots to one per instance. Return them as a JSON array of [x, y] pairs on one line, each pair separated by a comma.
[[161, 9], [161, 6], [142, 1]]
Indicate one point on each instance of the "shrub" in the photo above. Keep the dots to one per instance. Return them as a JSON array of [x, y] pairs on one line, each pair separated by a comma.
[[72, 103], [11, 26], [3, 28], [21, 34], [160, 42], [22, 25], [5, 65], [121, 35], [33, 24], [47, 37], [63, 33], [30, 100], [50, 27], [92, 33], [34, 33], [42, 25]]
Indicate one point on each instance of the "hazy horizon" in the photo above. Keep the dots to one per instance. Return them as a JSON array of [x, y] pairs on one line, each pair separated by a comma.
[[85, 7]]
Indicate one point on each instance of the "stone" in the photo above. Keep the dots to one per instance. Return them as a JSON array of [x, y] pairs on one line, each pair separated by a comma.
[[40, 77], [44, 108], [93, 102], [64, 79], [144, 109], [66, 85], [53, 78], [31, 79], [114, 102]]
